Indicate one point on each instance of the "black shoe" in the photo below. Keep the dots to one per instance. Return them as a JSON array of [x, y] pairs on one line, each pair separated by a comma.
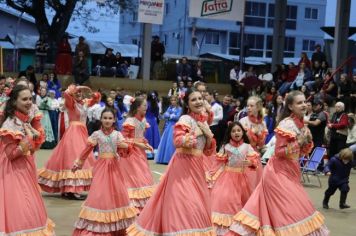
[[76, 196], [325, 206], [344, 206]]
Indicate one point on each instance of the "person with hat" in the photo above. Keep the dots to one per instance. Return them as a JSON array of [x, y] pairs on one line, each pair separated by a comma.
[[317, 123]]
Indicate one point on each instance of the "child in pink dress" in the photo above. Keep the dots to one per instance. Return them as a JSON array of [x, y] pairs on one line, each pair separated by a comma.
[[256, 131], [107, 209], [279, 205], [181, 203], [22, 211], [231, 189], [57, 176], [135, 169]]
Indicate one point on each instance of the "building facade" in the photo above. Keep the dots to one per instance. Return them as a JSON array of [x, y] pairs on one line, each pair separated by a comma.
[[193, 36]]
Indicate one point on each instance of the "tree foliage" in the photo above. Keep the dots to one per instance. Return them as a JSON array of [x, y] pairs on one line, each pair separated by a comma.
[[52, 17]]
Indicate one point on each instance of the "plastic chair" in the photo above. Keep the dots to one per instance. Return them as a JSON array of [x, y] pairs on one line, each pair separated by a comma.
[[310, 166]]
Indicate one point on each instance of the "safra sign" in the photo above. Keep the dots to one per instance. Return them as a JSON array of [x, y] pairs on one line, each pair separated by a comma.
[[217, 9], [151, 11]]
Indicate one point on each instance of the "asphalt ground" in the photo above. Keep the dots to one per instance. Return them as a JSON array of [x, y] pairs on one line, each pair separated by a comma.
[[340, 222]]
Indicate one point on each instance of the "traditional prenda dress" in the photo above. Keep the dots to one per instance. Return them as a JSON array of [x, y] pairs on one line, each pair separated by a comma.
[[107, 208], [166, 147], [136, 172], [22, 211], [57, 176], [231, 189], [279, 205], [256, 131], [181, 203]]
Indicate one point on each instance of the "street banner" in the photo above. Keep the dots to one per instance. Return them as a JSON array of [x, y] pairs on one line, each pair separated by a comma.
[[218, 9], [151, 11]]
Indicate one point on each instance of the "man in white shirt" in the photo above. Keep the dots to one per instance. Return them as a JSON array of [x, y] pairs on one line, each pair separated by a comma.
[[217, 109], [235, 78]]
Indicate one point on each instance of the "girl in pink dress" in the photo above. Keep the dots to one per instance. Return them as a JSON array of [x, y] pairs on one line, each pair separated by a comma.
[[231, 189], [257, 132], [279, 205], [107, 209], [22, 211], [181, 203], [57, 175], [135, 168]]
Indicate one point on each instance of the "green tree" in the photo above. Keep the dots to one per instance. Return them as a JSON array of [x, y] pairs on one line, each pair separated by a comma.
[[52, 17]]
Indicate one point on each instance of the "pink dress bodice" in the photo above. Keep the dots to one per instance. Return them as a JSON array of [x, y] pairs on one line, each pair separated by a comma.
[[76, 111], [237, 155], [134, 128]]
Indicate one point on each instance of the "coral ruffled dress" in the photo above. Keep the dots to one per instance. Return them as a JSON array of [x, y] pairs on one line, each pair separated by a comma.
[[107, 208], [181, 203], [279, 205], [256, 131], [57, 176], [22, 211], [136, 171], [231, 189]]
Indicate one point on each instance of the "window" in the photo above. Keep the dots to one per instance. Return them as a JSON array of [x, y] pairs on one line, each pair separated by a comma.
[[308, 45], [291, 22], [289, 46], [134, 18], [134, 41], [311, 13], [255, 14], [165, 40], [212, 38], [255, 44], [234, 43], [167, 8]]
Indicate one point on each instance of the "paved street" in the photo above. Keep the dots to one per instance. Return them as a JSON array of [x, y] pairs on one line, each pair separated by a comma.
[[340, 222]]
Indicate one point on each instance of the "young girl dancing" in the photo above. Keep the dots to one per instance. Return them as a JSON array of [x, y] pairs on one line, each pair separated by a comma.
[[231, 189], [57, 176], [22, 211], [107, 210], [181, 203], [135, 169], [279, 205]]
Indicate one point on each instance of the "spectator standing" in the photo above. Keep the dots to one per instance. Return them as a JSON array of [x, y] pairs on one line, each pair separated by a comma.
[[235, 77], [304, 59], [353, 94], [318, 55], [338, 129], [64, 57], [174, 91], [217, 109], [41, 54], [198, 74], [317, 123], [345, 91], [184, 71], [157, 52], [80, 70], [29, 73], [82, 46]]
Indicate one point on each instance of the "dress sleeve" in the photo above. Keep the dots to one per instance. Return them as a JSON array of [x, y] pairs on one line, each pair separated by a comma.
[[128, 130], [184, 136], [123, 152], [36, 124], [15, 145], [69, 101], [211, 149], [91, 143], [253, 157], [286, 144]]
